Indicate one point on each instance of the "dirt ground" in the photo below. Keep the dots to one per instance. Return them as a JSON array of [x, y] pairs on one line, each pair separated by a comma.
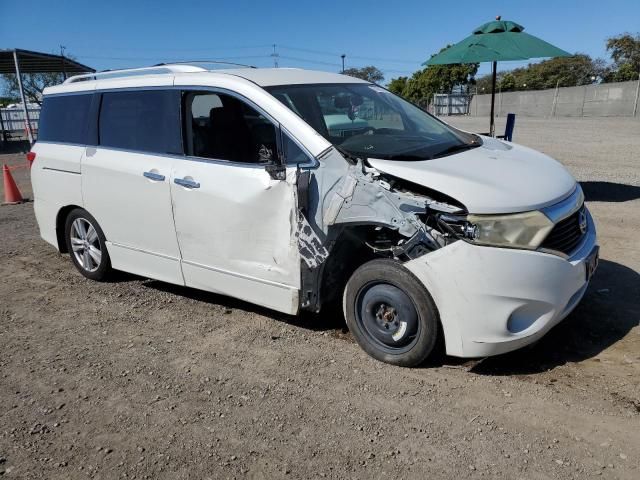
[[140, 379]]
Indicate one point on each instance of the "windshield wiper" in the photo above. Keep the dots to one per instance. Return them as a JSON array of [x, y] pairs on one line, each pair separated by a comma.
[[456, 148], [405, 157], [347, 155]]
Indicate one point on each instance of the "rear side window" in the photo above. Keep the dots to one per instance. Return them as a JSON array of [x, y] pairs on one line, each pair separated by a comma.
[[144, 121], [63, 119]]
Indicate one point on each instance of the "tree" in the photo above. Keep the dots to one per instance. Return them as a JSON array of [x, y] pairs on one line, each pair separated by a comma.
[[625, 53], [434, 79], [370, 74], [507, 82], [397, 85], [438, 79], [623, 73], [578, 69], [4, 101], [504, 81], [33, 83]]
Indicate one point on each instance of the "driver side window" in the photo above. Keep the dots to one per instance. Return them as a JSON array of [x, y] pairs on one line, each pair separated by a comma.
[[223, 127]]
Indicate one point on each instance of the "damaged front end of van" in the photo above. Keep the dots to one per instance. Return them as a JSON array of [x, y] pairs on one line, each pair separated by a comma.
[[502, 266]]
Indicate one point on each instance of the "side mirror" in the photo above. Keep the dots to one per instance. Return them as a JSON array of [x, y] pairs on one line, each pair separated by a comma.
[[273, 166]]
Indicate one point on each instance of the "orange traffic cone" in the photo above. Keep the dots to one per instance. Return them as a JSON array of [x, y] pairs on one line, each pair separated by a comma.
[[11, 192]]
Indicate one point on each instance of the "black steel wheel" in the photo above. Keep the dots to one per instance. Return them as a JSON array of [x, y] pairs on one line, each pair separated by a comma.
[[390, 313]]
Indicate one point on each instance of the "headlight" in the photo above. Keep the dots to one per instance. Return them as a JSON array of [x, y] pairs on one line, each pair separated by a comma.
[[519, 230]]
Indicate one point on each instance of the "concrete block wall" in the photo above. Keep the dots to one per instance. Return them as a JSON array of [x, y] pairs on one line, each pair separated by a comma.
[[603, 100]]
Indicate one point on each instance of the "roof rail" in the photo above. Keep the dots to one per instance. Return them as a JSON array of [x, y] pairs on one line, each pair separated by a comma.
[[161, 68], [217, 62]]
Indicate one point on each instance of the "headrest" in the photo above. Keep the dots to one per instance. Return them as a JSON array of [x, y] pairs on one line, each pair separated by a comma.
[[219, 117], [229, 114]]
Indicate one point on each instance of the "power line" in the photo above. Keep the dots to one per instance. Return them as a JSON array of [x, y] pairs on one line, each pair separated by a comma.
[[265, 57], [274, 55], [153, 59], [202, 49], [339, 66], [357, 57], [304, 60]]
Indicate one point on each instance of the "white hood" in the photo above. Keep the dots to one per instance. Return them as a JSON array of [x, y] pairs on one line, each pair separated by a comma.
[[493, 178]]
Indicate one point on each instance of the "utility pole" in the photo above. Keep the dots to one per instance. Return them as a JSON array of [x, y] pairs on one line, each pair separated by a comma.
[[492, 125], [635, 103], [342, 56], [476, 100], [64, 71], [275, 56], [554, 105], [23, 97]]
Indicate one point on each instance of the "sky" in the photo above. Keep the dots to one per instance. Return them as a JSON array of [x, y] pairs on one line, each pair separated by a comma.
[[394, 36]]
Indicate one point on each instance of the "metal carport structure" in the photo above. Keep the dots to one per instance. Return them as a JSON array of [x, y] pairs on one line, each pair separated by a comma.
[[17, 61]]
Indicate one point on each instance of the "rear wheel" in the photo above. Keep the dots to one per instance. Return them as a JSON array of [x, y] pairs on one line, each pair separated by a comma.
[[86, 245], [390, 313]]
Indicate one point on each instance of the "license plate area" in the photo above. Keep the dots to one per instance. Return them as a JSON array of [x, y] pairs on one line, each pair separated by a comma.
[[591, 262]]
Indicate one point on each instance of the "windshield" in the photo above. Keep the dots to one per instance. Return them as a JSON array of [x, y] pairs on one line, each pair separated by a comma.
[[367, 121]]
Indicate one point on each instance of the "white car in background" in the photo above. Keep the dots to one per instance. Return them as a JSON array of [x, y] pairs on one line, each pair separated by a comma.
[[296, 189]]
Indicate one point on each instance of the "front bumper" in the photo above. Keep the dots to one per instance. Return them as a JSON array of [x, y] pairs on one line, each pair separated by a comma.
[[495, 300]]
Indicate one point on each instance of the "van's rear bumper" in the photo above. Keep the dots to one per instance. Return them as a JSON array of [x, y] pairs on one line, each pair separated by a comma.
[[494, 300], [46, 214]]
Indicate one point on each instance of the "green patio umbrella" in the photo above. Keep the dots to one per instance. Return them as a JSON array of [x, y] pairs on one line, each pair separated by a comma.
[[496, 41]]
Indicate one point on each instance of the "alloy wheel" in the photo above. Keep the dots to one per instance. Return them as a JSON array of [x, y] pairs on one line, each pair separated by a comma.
[[86, 244]]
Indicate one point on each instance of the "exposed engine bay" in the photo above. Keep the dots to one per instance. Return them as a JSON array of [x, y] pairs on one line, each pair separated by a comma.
[[350, 212]]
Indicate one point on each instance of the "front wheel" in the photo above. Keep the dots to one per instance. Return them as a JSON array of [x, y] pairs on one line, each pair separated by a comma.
[[390, 313], [87, 245]]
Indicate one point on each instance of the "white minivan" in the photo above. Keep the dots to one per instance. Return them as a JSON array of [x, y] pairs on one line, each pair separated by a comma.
[[296, 189]]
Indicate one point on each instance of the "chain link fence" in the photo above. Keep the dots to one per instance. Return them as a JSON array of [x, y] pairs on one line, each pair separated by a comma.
[[13, 124], [451, 104]]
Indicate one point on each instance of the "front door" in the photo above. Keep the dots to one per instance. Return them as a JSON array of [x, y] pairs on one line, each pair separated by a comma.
[[235, 224], [126, 181]]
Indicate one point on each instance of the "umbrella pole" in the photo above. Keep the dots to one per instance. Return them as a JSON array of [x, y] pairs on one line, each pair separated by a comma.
[[492, 127]]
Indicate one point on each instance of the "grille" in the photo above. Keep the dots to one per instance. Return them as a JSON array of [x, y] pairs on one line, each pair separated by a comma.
[[566, 235]]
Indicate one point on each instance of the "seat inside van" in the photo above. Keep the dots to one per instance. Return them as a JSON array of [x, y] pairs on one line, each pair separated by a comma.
[[232, 130]]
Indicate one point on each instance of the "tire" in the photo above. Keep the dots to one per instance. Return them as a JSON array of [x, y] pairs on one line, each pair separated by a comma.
[[87, 247], [390, 313]]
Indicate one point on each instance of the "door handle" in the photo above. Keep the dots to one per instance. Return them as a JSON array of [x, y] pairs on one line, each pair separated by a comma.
[[154, 176], [186, 183]]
